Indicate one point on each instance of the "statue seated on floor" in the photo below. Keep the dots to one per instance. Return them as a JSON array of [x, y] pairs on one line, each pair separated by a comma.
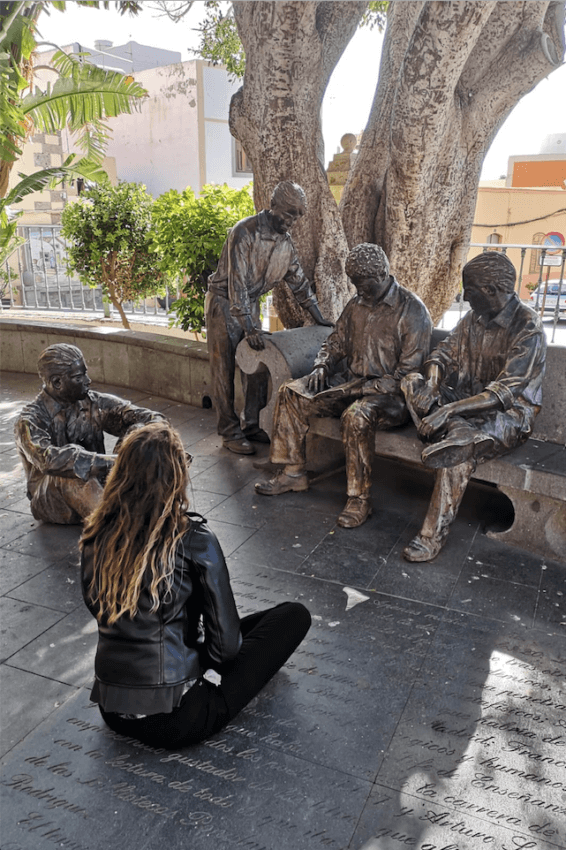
[[60, 437], [480, 393], [382, 335]]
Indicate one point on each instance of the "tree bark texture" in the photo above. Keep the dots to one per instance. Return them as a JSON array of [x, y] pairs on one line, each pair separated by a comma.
[[291, 50], [451, 72]]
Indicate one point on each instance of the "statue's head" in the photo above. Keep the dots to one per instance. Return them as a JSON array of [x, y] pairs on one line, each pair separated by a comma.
[[493, 268], [367, 260], [63, 371], [367, 267], [489, 281], [288, 203]]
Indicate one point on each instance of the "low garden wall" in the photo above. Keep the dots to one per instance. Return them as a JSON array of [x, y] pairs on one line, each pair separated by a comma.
[[155, 363]]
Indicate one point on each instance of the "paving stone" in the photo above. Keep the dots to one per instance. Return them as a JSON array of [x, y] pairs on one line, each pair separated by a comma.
[[76, 784], [24, 711], [478, 757], [502, 600], [53, 542], [57, 587], [15, 569], [65, 651], [14, 524], [21, 623]]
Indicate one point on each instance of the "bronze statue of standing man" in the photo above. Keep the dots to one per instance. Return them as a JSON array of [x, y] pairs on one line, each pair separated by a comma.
[[257, 254], [480, 394]]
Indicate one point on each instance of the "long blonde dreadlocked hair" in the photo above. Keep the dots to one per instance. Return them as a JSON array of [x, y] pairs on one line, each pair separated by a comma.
[[140, 519]]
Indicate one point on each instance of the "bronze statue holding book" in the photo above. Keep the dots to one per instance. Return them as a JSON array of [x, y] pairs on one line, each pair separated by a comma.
[[382, 335]]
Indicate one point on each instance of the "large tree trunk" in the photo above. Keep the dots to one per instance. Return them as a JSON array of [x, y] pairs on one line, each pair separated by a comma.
[[451, 72], [291, 51]]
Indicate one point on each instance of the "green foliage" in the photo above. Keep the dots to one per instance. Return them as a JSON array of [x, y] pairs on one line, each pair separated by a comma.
[[81, 99], [220, 42], [189, 233], [375, 15], [109, 234], [219, 39]]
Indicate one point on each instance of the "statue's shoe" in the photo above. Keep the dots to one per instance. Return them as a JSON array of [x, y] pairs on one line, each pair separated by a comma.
[[257, 436], [355, 513], [423, 548], [239, 447], [283, 483], [460, 446]]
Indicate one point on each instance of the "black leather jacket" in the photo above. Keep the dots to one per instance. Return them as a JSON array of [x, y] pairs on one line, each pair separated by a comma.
[[143, 664]]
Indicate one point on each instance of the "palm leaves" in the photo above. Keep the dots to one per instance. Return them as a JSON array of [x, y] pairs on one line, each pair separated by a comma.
[[82, 98]]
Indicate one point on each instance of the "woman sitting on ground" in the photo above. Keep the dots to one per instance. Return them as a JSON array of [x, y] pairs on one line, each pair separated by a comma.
[[174, 662]]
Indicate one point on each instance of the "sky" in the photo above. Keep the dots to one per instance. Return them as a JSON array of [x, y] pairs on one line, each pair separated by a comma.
[[350, 92]]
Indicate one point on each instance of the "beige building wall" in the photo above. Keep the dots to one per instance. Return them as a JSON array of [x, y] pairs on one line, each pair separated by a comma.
[[520, 217]]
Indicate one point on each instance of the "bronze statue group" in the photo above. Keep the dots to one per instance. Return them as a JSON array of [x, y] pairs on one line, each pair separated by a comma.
[[174, 662]]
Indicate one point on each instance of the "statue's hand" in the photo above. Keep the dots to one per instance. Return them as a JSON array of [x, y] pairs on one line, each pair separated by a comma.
[[316, 380], [101, 465], [425, 398], [255, 340], [437, 421], [386, 385], [319, 318]]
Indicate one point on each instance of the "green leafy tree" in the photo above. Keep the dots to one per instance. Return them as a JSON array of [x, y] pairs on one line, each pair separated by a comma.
[[109, 234], [81, 99], [450, 74], [188, 234]]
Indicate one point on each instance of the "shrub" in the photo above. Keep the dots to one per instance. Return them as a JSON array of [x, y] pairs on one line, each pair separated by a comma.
[[188, 234]]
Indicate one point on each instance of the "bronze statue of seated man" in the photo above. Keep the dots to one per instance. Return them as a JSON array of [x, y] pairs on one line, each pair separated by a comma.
[[60, 437], [480, 394], [382, 335]]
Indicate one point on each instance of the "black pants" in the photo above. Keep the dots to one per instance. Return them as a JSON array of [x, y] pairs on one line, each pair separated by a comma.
[[269, 638]]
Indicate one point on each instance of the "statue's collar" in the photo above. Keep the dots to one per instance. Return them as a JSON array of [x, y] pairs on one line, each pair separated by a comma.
[[266, 230], [505, 316], [54, 407]]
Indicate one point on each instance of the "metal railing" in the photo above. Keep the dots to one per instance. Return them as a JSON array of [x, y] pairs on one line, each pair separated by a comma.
[[36, 277], [548, 257]]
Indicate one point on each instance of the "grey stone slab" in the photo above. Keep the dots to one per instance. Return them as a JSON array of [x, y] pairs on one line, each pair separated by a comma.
[[230, 536], [179, 413], [551, 603], [64, 652], [76, 784], [57, 587], [335, 562], [14, 524], [21, 623], [378, 534], [328, 701], [260, 549], [505, 562], [12, 486], [394, 820], [477, 593], [15, 569], [202, 501], [9, 460], [52, 542], [22, 711], [479, 754], [227, 476]]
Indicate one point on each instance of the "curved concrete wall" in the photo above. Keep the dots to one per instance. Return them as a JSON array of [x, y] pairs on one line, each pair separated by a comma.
[[155, 363]]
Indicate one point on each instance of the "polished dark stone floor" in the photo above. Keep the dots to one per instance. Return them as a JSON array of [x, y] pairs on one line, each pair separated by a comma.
[[425, 709]]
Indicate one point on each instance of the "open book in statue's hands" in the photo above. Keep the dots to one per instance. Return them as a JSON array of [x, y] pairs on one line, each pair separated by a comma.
[[352, 388]]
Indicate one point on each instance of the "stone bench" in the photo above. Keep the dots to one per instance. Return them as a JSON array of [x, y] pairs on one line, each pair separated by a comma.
[[533, 476]]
